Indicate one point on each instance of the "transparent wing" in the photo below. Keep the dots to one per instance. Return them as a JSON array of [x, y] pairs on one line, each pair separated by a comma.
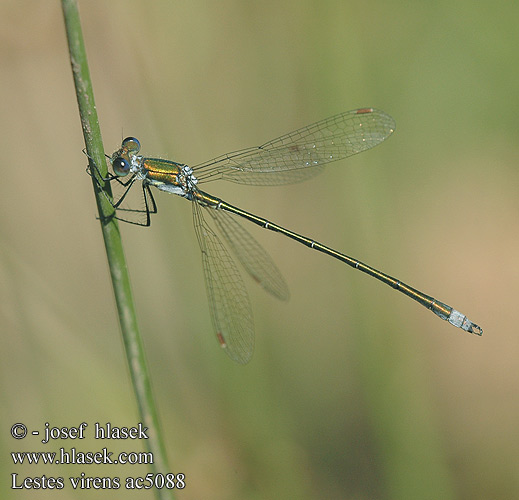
[[303, 153], [256, 261], [229, 304]]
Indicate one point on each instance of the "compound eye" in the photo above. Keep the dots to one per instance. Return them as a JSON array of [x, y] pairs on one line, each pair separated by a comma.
[[121, 166], [132, 145]]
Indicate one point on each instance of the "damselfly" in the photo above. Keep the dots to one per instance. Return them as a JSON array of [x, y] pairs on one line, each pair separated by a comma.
[[293, 157]]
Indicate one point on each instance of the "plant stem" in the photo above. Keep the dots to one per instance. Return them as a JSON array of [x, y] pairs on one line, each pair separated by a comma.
[[114, 250]]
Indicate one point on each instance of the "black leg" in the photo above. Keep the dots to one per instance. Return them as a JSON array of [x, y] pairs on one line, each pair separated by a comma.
[[150, 206]]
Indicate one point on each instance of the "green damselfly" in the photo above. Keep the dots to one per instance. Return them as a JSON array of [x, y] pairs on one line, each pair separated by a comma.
[[293, 157]]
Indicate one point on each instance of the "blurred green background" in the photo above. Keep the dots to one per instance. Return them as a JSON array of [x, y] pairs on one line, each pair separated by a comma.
[[354, 391]]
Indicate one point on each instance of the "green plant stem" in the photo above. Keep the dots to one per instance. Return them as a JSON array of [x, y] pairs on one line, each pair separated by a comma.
[[114, 250]]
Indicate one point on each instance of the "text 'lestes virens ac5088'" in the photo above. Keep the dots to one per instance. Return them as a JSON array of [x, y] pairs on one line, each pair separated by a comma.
[[293, 157]]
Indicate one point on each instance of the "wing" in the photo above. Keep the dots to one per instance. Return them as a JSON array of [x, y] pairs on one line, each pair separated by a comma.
[[229, 304], [256, 261], [303, 153]]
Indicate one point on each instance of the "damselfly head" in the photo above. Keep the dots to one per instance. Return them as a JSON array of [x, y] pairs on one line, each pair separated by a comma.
[[122, 159]]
